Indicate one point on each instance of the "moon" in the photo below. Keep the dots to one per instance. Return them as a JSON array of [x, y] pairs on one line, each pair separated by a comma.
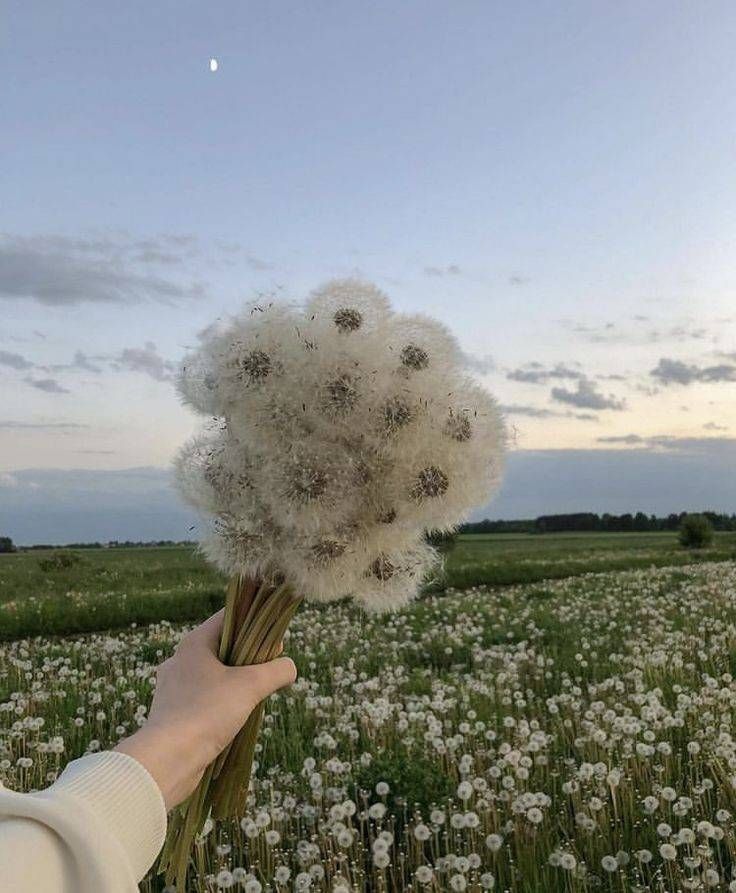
[[213, 65]]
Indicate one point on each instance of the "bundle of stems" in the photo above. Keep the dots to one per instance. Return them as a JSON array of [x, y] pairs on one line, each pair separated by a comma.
[[257, 614]]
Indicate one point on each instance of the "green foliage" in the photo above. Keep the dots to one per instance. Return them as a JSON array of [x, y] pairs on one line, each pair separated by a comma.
[[59, 561], [6, 544], [111, 588], [696, 532], [415, 780]]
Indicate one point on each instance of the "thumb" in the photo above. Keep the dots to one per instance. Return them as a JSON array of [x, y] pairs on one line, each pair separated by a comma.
[[262, 680]]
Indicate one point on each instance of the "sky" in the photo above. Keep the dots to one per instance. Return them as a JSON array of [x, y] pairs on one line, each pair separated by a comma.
[[552, 180]]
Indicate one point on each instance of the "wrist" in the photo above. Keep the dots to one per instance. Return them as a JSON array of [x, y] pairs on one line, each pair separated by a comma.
[[171, 756]]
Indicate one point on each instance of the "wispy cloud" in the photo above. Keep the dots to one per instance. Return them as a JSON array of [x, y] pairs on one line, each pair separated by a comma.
[[49, 385], [639, 330], [541, 412], [669, 371], [673, 443], [536, 373], [61, 271], [587, 396], [146, 360], [80, 362], [449, 270], [628, 439], [8, 425], [14, 360]]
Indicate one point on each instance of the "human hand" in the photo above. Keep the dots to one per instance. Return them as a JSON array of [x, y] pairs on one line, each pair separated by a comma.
[[199, 705]]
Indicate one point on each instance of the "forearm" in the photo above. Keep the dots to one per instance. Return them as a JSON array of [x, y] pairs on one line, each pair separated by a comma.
[[99, 827], [172, 755]]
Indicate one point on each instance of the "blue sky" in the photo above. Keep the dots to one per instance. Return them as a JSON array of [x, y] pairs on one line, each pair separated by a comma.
[[553, 180]]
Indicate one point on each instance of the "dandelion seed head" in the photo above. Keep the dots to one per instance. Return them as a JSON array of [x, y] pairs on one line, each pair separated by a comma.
[[311, 431], [459, 427], [326, 550], [396, 413], [341, 394], [429, 483], [348, 319], [255, 365], [382, 568], [414, 357]]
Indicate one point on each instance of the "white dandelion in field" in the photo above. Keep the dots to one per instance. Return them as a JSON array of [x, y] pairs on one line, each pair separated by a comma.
[[609, 863]]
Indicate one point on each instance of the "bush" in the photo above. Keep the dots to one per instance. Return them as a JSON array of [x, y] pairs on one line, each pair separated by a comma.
[[6, 544], [696, 532], [59, 561]]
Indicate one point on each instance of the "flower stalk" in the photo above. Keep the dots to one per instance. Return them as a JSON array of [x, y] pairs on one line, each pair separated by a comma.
[[257, 615]]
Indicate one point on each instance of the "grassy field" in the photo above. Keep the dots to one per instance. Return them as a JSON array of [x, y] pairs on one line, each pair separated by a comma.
[[111, 588], [550, 735], [564, 736]]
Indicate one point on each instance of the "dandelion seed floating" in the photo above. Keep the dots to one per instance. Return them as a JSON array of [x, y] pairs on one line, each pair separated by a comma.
[[334, 443]]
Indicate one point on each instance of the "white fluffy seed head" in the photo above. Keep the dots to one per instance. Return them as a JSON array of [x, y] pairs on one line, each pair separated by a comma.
[[342, 432]]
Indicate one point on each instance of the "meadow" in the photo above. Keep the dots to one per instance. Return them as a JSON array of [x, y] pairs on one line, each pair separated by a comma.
[[546, 735], [111, 588]]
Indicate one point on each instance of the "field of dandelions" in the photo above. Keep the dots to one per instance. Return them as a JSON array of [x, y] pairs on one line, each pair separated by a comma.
[[561, 735]]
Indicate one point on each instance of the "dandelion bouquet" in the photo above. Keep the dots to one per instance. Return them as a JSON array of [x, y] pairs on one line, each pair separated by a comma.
[[339, 433]]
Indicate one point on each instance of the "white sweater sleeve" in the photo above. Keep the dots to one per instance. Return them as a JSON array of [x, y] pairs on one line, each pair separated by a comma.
[[98, 827]]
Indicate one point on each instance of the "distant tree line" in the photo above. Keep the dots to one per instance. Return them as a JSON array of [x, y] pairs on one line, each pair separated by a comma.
[[590, 521], [113, 544]]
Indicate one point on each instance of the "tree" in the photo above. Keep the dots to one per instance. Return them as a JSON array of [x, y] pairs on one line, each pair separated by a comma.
[[696, 532], [6, 544]]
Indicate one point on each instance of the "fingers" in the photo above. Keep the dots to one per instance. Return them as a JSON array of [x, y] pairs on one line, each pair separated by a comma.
[[207, 634], [262, 680]]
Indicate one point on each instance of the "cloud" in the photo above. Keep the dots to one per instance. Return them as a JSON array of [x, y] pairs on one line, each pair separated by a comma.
[[518, 280], [147, 360], [637, 333], [539, 412], [712, 426], [14, 360], [7, 425], [672, 443], [690, 475], [80, 361], [141, 503], [625, 438], [669, 371], [536, 373], [50, 385], [61, 271], [449, 270], [71, 505], [587, 396]]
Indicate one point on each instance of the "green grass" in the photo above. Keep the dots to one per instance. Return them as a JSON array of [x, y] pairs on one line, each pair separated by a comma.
[[566, 706], [111, 588], [505, 559]]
